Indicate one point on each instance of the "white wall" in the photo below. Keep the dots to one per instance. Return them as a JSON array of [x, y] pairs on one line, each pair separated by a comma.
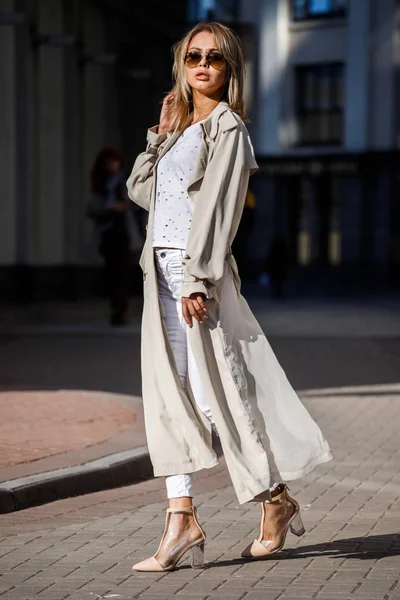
[[357, 76], [314, 42], [272, 60]]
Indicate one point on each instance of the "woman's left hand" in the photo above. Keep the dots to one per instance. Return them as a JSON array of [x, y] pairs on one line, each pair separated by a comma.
[[194, 307]]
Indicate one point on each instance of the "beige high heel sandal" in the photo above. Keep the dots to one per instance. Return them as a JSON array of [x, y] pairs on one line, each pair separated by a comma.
[[195, 545], [262, 548]]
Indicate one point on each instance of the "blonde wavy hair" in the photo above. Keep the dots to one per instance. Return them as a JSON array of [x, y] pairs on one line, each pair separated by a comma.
[[230, 46]]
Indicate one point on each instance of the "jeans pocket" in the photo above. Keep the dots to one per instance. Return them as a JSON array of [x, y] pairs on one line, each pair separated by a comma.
[[174, 276]]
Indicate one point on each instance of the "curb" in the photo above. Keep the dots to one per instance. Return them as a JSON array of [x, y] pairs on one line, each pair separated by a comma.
[[112, 471], [115, 470]]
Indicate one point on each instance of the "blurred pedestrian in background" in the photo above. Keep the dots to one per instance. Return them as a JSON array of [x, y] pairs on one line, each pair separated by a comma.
[[110, 209]]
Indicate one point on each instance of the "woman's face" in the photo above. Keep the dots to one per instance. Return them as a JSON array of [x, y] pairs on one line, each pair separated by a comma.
[[113, 165], [205, 78]]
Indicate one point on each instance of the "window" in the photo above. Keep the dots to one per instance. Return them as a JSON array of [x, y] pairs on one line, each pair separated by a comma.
[[318, 9], [320, 103]]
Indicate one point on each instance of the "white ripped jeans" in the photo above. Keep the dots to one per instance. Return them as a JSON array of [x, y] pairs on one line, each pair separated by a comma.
[[170, 276]]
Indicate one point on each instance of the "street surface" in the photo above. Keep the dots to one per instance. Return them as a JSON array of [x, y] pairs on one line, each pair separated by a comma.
[[83, 548]]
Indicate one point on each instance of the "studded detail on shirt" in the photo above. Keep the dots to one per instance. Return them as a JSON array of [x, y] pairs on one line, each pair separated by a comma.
[[174, 207]]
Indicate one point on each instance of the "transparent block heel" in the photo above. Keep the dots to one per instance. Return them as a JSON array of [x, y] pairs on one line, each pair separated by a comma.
[[185, 544], [261, 548], [296, 525], [198, 556]]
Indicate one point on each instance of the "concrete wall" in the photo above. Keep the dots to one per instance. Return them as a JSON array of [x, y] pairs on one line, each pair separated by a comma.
[[7, 142], [93, 112], [56, 112], [382, 79], [75, 178], [41, 135], [273, 52], [49, 244], [357, 76]]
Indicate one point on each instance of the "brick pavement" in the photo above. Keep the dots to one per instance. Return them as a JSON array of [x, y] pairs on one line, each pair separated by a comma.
[[40, 423], [44, 430], [83, 548]]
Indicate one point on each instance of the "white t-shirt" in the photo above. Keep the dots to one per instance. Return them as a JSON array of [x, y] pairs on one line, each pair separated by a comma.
[[173, 207]]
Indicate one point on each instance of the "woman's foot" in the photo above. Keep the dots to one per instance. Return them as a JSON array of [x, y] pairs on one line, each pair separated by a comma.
[[182, 532], [282, 513]]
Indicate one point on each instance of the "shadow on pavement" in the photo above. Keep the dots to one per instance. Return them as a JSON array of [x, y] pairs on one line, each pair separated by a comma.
[[112, 363], [361, 548]]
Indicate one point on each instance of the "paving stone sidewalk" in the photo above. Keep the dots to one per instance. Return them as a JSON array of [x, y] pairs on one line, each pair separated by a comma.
[[83, 548]]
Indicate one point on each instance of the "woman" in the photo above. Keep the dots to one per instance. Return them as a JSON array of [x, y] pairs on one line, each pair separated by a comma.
[[108, 208], [205, 359]]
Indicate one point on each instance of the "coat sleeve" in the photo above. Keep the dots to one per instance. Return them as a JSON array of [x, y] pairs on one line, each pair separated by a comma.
[[218, 209], [140, 181]]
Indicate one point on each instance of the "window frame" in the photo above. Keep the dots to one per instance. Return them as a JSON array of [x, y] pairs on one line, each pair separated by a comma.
[[336, 12], [301, 113]]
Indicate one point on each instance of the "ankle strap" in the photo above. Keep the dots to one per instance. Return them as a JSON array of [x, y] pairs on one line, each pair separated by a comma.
[[181, 511], [280, 491]]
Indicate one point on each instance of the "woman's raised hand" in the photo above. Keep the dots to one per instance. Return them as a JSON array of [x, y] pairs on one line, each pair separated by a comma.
[[167, 118], [194, 307]]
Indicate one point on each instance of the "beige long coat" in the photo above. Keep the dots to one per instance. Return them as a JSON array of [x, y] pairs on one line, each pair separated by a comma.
[[266, 433]]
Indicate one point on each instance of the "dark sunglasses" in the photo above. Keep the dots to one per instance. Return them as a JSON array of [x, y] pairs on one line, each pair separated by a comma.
[[215, 59]]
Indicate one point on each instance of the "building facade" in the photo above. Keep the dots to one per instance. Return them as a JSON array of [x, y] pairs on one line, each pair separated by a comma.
[[323, 96], [75, 75], [322, 92]]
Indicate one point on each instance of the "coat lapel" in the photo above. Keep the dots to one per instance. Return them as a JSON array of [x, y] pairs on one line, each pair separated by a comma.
[[170, 142], [209, 128], [200, 166]]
